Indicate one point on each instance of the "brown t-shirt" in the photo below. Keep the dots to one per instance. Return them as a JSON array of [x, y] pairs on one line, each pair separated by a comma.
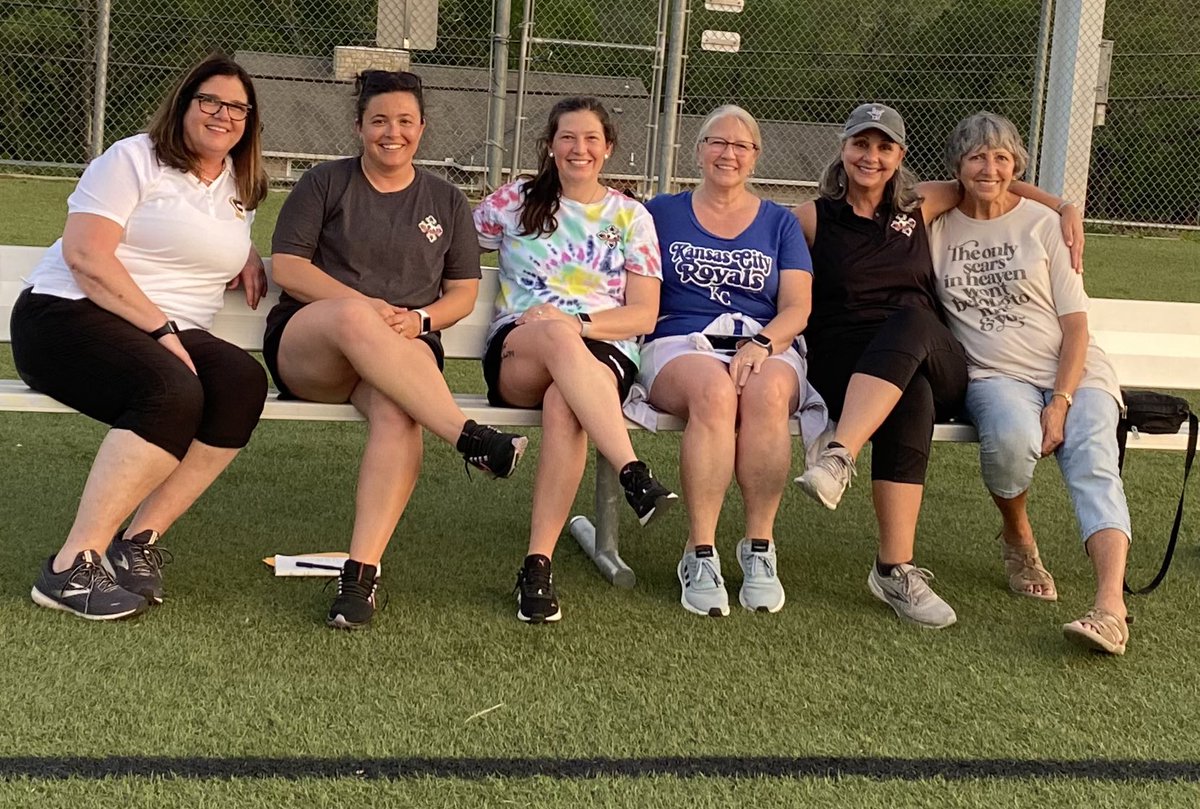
[[396, 246]]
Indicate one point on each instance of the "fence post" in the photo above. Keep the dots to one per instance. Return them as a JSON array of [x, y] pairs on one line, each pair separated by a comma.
[[100, 91], [499, 92], [668, 125], [1071, 101], [1039, 90]]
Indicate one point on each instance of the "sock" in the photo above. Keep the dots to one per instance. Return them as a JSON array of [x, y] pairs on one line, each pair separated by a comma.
[[886, 570], [464, 437]]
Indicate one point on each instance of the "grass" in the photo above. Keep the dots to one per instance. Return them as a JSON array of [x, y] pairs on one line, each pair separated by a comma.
[[238, 663]]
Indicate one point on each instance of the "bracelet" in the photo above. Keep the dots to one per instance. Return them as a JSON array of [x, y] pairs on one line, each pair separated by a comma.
[[170, 327], [1070, 400], [1062, 205]]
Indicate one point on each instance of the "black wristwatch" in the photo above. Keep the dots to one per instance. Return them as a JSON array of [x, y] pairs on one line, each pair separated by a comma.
[[170, 327], [764, 341]]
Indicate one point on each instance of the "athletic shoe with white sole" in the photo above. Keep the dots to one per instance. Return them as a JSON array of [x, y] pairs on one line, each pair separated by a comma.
[[906, 590], [494, 452], [136, 564], [85, 589], [761, 589], [827, 479], [537, 601], [648, 498], [354, 605], [702, 590]]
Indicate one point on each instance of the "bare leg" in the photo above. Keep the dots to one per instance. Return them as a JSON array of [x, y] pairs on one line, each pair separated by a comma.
[[127, 468], [699, 389], [191, 478], [330, 345], [764, 445], [869, 401], [897, 506], [538, 353], [388, 473], [1108, 549], [561, 463]]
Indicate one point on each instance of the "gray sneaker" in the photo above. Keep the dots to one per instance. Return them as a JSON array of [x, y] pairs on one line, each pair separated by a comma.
[[702, 588], [761, 589], [829, 477], [906, 590]]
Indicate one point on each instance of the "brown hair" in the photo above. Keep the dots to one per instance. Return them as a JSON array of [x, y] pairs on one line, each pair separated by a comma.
[[540, 194], [166, 129]]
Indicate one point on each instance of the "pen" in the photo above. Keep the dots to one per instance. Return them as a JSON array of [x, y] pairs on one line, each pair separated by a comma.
[[317, 566]]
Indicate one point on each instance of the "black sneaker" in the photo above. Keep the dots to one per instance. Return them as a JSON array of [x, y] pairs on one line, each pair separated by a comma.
[[536, 600], [136, 564], [85, 589], [355, 602], [648, 497], [494, 452]]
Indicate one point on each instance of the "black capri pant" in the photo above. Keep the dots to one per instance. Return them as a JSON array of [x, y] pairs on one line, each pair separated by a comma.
[[105, 367], [914, 351]]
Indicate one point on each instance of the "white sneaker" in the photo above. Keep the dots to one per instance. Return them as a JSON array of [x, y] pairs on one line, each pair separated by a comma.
[[906, 590], [827, 479], [702, 590], [761, 589]]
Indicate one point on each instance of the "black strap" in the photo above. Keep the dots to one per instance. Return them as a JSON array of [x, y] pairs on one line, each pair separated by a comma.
[[1187, 471]]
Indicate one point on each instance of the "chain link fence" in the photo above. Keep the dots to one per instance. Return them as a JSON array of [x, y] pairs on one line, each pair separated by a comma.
[[798, 65]]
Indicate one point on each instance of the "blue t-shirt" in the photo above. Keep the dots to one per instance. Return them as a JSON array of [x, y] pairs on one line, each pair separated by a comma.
[[705, 276]]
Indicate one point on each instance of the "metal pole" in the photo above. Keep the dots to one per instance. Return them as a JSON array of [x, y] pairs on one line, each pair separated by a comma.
[[1039, 89], [654, 112], [522, 68], [103, 16], [499, 93], [673, 86]]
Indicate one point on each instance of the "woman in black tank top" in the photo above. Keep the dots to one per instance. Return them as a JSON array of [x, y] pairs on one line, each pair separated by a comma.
[[879, 351]]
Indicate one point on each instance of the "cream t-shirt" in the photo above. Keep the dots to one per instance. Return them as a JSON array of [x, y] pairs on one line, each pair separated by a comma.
[[1004, 283], [183, 241]]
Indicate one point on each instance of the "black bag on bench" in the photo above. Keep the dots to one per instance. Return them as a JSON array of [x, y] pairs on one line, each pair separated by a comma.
[[1154, 413]]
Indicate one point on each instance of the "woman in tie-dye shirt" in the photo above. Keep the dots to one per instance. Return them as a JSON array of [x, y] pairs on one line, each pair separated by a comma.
[[579, 281]]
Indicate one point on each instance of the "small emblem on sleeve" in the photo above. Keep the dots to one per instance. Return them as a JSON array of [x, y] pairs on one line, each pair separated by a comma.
[[903, 223], [239, 210], [431, 228], [610, 236]]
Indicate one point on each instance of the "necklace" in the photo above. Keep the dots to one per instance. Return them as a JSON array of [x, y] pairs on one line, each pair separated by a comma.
[[204, 178], [592, 198]]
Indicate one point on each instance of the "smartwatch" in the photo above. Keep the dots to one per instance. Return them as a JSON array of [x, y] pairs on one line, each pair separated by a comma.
[[170, 327], [585, 323], [764, 341], [426, 322]]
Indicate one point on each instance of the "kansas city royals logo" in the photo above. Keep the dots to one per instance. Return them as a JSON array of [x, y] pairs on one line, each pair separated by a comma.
[[431, 228], [903, 223]]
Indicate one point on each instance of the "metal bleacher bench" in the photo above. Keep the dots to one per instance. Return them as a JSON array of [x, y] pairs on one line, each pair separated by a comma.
[[1152, 344]]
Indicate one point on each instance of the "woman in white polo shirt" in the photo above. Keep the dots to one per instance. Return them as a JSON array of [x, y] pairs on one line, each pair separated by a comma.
[[115, 324]]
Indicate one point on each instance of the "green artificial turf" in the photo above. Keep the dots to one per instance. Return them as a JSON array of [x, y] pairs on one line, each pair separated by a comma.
[[238, 663]]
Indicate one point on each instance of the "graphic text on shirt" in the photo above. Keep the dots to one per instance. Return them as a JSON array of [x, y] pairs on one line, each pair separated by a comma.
[[980, 278], [714, 269]]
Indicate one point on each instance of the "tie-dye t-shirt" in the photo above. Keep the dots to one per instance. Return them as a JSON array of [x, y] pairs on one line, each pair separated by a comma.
[[581, 267]]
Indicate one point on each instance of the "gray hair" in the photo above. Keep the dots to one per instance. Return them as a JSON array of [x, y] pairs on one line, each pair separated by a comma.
[[985, 130], [901, 191], [730, 111]]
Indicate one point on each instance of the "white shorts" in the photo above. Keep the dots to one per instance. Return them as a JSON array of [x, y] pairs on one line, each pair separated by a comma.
[[656, 355]]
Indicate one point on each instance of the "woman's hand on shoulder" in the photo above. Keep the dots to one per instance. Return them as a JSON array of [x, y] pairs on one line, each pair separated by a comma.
[[1071, 221]]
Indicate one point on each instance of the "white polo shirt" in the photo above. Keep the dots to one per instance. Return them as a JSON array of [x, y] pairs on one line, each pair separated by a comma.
[[183, 240]]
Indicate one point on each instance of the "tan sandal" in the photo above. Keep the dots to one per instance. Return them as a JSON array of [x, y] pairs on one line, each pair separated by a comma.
[[1099, 630], [1024, 570]]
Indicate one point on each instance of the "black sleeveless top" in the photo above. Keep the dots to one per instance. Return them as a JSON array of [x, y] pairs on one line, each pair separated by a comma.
[[865, 270]]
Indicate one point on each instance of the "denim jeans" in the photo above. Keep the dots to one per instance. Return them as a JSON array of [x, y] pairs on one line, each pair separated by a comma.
[[1007, 414]]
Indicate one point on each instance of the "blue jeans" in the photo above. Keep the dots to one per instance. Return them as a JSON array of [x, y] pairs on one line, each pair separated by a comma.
[[1007, 414]]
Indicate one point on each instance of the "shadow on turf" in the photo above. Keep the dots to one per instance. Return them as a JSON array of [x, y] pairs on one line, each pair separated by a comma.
[[879, 768]]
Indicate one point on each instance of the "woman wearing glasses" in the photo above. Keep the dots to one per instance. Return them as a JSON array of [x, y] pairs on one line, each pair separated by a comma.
[[115, 324], [726, 356], [375, 256], [579, 278]]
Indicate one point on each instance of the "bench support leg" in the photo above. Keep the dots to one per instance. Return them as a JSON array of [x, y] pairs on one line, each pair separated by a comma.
[[601, 541]]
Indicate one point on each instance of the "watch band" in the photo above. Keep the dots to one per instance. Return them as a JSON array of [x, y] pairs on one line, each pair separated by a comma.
[[426, 321], [764, 341], [1068, 397], [170, 327], [585, 323]]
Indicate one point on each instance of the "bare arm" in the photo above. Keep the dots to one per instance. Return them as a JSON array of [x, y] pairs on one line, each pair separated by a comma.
[[252, 278], [937, 197], [307, 282], [1071, 358], [1072, 218], [457, 301], [90, 252], [636, 317], [806, 212], [795, 304]]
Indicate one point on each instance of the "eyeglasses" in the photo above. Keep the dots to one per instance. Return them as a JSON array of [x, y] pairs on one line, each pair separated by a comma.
[[211, 105], [741, 148]]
